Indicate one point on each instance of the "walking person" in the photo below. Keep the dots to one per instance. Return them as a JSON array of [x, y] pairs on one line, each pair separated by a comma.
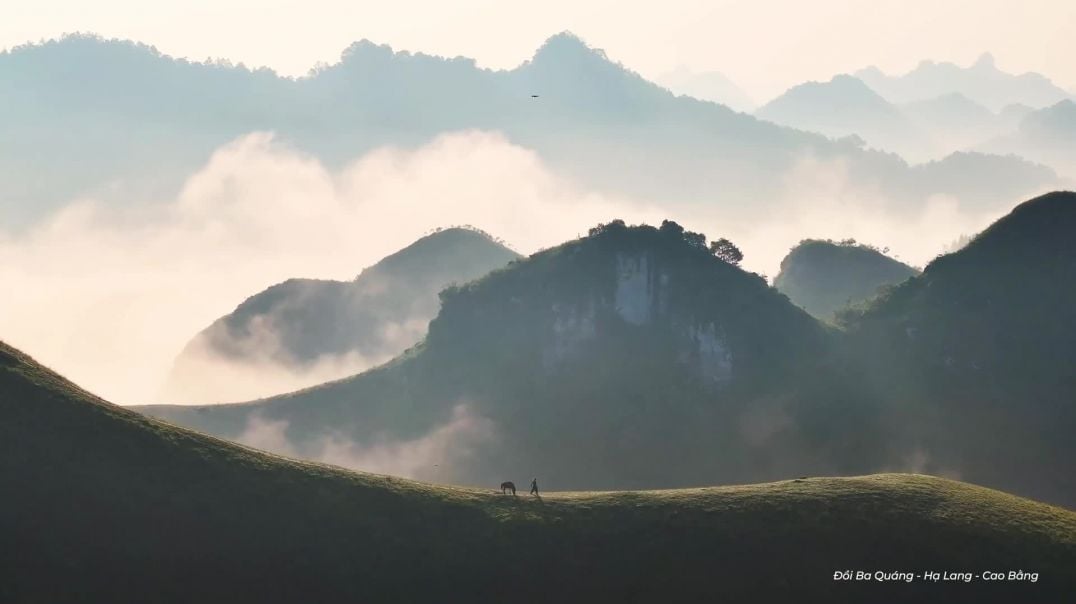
[[534, 487]]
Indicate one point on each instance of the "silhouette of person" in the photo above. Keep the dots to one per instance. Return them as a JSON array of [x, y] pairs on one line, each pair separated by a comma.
[[534, 487]]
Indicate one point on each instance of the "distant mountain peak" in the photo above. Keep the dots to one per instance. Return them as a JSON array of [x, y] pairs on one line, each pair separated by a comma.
[[846, 82], [841, 88], [565, 40], [711, 86], [982, 81], [985, 62], [566, 47]]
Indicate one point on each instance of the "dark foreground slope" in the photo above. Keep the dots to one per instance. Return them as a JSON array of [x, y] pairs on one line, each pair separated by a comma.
[[822, 277], [102, 504]]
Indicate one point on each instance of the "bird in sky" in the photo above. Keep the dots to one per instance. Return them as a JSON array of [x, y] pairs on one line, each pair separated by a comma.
[[534, 96]]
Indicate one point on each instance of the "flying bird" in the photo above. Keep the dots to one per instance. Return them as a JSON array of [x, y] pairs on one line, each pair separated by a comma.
[[534, 96]]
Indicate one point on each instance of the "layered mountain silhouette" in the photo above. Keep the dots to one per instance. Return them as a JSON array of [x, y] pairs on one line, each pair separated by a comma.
[[926, 129], [308, 331], [118, 120], [585, 359], [1047, 135], [981, 82], [707, 86], [128, 509], [845, 106], [824, 276], [954, 122]]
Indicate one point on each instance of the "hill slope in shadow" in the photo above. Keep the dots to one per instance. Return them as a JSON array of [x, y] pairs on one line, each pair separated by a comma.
[[124, 508]]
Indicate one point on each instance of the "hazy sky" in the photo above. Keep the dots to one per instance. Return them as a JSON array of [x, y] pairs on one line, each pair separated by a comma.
[[763, 45]]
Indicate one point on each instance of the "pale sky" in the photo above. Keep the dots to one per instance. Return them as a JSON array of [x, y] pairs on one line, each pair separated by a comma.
[[764, 46]]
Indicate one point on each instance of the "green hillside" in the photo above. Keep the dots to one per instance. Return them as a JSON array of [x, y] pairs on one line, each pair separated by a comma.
[[102, 504], [824, 276], [974, 358]]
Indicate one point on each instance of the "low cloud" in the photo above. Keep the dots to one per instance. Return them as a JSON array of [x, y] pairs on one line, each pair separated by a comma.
[[918, 460], [259, 365], [821, 201], [431, 457], [109, 296], [206, 377]]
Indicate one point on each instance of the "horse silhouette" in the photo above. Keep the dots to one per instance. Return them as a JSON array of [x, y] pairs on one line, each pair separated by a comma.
[[508, 486]]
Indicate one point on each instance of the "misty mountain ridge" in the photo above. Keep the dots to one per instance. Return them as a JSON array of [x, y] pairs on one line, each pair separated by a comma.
[[133, 131], [955, 122], [921, 130], [1047, 135], [824, 276], [983, 82], [317, 330], [846, 106], [711, 86]]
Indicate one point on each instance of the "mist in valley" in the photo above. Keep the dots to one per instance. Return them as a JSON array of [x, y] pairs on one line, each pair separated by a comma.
[[110, 295]]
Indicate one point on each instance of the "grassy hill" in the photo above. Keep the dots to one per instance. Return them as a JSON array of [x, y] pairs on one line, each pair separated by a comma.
[[824, 276], [102, 504]]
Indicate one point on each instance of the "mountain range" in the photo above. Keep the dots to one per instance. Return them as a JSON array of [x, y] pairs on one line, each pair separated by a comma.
[[845, 106], [583, 361], [982, 81], [122, 122], [580, 361], [926, 129]]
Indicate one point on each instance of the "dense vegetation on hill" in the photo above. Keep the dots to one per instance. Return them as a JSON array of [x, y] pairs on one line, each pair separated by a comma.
[[630, 358], [635, 358], [975, 356], [296, 324], [102, 504], [824, 276]]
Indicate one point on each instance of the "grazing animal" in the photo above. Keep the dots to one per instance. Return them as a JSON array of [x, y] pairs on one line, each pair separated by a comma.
[[508, 486]]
